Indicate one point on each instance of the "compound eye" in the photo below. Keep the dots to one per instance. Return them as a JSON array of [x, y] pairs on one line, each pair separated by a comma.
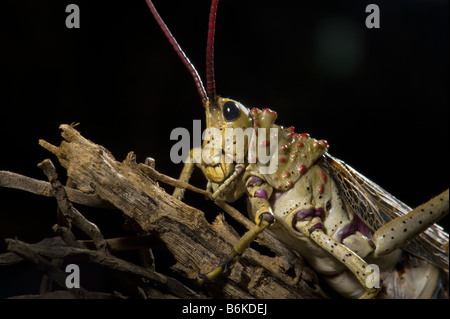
[[230, 111]]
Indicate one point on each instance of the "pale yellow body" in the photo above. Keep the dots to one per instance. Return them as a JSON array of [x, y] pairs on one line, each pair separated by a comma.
[[345, 259], [411, 282], [301, 204]]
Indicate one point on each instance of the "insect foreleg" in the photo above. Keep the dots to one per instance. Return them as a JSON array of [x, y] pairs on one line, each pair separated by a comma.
[[399, 231], [185, 174]]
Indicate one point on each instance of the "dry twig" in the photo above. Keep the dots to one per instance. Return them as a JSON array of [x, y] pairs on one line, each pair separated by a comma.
[[196, 245]]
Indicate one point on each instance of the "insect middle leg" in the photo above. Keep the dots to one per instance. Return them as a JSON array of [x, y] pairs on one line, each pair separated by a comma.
[[238, 250], [399, 231], [258, 198]]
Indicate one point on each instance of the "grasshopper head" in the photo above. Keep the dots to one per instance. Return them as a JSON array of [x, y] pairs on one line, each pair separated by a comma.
[[224, 143], [221, 113]]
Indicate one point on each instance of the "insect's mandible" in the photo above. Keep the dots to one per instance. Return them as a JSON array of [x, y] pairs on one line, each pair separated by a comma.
[[339, 221]]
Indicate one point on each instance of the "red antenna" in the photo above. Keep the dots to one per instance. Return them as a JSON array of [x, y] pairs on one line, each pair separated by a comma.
[[210, 81], [210, 93], [179, 51]]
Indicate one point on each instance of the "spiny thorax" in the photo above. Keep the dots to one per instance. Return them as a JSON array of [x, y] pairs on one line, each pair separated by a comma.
[[296, 152]]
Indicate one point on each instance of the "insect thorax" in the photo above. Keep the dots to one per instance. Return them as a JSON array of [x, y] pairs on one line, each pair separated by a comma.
[[294, 153]]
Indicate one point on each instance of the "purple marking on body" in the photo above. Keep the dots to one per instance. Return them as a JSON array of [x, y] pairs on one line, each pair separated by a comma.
[[345, 232], [318, 212], [316, 226], [239, 168], [261, 193], [303, 214], [308, 214], [294, 222], [361, 227], [254, 180], [268, 217]]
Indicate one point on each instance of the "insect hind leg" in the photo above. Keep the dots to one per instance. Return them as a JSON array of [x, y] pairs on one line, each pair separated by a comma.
[[399, 231]]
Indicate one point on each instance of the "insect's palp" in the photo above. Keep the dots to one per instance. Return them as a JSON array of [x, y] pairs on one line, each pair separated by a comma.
[[239, 168]]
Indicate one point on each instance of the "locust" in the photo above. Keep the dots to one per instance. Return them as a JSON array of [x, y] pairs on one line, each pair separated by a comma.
[[344, 226]]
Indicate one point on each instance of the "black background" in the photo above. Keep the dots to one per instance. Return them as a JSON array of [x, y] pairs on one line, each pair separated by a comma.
[[378, 96]]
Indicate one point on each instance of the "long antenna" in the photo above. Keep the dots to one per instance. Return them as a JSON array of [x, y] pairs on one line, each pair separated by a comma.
[[184, 58], [210, 81]]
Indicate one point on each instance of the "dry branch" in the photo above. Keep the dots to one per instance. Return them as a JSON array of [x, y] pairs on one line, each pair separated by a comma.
[[24, 250], [69, 211], [28, 184], [195, 244], [56, 250]]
